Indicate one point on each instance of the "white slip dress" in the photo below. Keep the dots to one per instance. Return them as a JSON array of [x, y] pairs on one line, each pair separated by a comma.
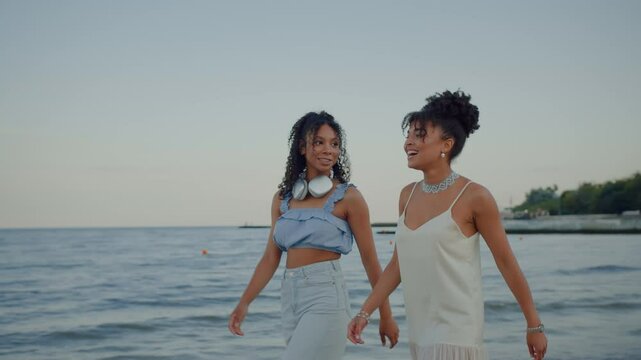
[[441, 275]]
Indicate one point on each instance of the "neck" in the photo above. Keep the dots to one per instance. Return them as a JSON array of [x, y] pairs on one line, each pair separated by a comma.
[[312, 173], [435, 175]]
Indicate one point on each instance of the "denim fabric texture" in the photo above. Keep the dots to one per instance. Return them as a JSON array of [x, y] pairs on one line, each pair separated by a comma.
[[315, 311]]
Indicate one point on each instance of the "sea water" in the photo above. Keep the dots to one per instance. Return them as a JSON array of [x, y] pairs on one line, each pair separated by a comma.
[[150, 293]]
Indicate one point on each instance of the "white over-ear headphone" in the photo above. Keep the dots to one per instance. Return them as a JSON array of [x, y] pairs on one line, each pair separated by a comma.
[[317, 187]]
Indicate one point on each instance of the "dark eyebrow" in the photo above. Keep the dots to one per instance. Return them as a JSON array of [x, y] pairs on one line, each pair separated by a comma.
[[322, 138]]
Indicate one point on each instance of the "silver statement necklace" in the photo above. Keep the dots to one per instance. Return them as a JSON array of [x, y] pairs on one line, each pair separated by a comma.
[[436, 188]]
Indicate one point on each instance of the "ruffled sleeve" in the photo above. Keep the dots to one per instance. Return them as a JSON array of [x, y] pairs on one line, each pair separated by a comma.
[[284, 203], [337, 195]]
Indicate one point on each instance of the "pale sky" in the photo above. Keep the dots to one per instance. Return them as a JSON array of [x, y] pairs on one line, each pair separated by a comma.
[[176, 113]]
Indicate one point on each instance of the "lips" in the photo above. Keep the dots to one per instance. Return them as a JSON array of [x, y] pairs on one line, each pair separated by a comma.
[[325, 161], [411, 153]]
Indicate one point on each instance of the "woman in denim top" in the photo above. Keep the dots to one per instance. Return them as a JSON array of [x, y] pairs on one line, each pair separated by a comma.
[[315, 232]]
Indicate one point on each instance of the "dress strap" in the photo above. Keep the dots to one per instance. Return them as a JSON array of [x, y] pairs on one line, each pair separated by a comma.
[[336, 196], [284, 203], [409, 197], [460, 193]]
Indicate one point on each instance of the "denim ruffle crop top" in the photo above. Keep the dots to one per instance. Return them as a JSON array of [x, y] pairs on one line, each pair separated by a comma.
[[314, 227]]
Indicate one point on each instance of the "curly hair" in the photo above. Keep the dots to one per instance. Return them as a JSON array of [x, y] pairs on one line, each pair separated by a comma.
[[452, 112], [305, 127]]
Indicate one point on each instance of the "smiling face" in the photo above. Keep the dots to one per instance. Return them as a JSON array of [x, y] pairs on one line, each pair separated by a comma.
[[321, 151], [424, 145]]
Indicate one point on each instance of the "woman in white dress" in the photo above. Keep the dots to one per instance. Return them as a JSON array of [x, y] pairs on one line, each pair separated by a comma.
[[437, 244]]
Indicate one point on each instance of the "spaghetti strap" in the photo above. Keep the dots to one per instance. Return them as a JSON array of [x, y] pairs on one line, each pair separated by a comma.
[[409, 197], [459, 194]]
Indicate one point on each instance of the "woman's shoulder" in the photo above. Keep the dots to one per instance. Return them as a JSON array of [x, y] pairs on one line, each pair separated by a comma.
[[277, 203], [474, 188], [349, 196], [477, 194], [349, 190], [278, 197], [408, 188], [405, 195]]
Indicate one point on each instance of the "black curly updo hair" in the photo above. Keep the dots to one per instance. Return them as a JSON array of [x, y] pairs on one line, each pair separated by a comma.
[[303, 129], [452, 112]]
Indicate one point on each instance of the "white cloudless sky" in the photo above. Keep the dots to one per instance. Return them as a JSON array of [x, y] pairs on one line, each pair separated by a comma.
[[176, 113]]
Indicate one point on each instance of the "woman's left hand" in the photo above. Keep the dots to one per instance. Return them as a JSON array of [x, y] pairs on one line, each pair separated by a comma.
[[388, 329], [355, 329], [537, 344]]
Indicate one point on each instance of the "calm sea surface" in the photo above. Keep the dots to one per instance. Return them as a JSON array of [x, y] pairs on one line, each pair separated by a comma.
[[148, 293]]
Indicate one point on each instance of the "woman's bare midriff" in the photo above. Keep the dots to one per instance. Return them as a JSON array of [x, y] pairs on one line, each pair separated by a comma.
[[301, 257]]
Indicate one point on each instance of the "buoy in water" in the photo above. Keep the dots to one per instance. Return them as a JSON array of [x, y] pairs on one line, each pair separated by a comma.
[[204, 251]]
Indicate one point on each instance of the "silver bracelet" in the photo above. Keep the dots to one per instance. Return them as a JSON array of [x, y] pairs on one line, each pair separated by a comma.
[[534, 330], [363, 315]]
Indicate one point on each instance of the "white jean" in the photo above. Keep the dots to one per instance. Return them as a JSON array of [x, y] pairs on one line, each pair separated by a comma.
[[315, 311]]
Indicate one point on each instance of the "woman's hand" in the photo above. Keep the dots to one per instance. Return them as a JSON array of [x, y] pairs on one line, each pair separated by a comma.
[[236, 318], [537, 344], [388, 328], [355, 329]]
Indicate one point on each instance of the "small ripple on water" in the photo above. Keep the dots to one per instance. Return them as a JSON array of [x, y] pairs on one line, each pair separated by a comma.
[[496, 308], [598, 269], [98, 332], [151, 357], [636, 332]]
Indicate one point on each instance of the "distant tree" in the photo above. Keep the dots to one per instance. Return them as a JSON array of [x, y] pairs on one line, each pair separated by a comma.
[[586, 197], [632, 190], [536, 196], [569, 204], [541, 199], [612, 197]]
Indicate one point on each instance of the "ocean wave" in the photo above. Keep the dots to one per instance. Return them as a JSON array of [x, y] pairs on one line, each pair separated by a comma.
[[359, 292], [160, 301], [135, 327], [99, 332], [255, 316], [501, 307], [21, 286], [636, 332], [150, 357], [89, 334], [618, 305], [598, 269], [109, 348], [203, 318], [54, 266]]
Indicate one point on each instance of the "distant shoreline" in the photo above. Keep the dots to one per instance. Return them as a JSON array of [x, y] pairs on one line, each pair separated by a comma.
[[558, 224]]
